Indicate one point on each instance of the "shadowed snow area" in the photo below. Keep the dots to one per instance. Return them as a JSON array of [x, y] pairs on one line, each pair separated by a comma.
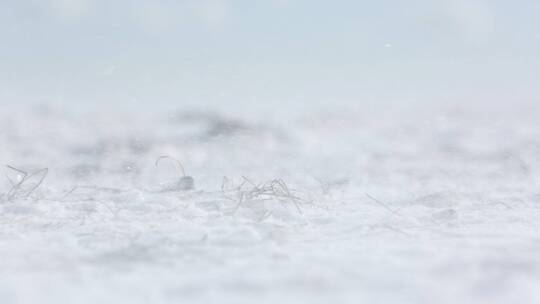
[[409, 205]]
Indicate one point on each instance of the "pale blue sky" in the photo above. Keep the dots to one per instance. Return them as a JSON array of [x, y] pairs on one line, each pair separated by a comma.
[[219, 52]]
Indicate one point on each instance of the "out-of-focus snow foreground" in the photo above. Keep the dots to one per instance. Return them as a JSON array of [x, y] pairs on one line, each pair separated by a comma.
[[411, 205]]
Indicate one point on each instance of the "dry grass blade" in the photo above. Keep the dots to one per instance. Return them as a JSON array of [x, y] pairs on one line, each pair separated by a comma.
[[385, 206], [184, 183], [178, 164], [20, 175], [26, 184]]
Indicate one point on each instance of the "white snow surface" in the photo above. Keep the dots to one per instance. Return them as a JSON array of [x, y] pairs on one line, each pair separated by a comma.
[[396, 205]]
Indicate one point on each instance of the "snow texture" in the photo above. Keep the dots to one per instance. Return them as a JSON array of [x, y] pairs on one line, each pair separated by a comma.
[[404, 205]]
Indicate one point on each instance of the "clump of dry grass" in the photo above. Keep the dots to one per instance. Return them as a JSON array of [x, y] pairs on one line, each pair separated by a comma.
[[247, 192], [23, 184]]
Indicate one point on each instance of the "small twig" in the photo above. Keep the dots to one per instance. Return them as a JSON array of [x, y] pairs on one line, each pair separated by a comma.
[[275, 189]]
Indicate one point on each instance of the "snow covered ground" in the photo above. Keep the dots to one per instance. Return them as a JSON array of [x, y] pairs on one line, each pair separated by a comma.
[[420, 204]]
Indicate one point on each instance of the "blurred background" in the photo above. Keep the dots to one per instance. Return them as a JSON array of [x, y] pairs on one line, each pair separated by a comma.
[[163, 54]]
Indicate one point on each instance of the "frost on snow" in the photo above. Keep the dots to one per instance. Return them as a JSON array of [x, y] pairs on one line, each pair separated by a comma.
[[405, 206]]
